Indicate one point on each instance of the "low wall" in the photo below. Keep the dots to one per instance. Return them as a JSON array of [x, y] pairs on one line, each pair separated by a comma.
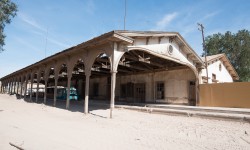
[[235, 94]]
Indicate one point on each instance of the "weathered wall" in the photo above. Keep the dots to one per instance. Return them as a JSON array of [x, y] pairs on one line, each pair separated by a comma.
[[176, 85], [225, 95], [141, 78], [102, 88], [162, 48]]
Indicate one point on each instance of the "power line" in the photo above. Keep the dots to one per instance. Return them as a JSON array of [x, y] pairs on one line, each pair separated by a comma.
[[46, 41], [125, 13]]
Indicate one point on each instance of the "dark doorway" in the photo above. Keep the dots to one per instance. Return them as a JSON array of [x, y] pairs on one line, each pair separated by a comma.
[[192, 95], [140, 93]]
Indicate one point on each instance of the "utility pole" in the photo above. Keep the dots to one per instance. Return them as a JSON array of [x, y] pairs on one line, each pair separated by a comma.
[[201, 28], [125, 13], [46, 41]]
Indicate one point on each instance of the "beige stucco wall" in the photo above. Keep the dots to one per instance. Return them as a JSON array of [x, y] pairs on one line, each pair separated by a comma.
[[222, 76], [176, 84], [225, 95], [102, 87]]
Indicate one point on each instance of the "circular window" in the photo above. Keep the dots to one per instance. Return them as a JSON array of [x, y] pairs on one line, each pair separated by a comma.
[[170, 49]]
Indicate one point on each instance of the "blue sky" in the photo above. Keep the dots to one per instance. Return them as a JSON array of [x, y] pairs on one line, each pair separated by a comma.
[[68, 23]]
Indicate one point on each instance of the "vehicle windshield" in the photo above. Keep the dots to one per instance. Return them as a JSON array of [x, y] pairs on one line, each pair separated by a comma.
[[73, 92]]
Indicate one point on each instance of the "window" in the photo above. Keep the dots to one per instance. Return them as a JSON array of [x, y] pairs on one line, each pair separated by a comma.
[[160, 90], [219, 67], [213, 77], [204, 79], [127, 90], [170, 49]]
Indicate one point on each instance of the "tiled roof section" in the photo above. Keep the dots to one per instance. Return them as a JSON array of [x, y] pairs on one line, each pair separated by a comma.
[[116, 35], [212, 57]]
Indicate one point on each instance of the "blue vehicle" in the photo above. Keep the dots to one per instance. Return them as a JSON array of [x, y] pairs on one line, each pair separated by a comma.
[[62, 93]]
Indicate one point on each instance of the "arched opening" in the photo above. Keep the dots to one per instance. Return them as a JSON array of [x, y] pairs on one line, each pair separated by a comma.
[[144, 77], [59, 76], [100, 80], [78, 80]]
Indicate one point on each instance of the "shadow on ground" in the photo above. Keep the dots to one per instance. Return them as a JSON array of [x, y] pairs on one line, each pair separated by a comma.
[[75, 106]]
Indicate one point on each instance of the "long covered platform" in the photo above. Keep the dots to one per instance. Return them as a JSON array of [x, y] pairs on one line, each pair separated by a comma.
[[125, 66]]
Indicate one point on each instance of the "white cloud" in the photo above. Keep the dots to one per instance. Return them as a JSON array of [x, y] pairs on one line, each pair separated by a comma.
[[207, 16], [163, 23], [58, 43], [42, 31], [27, 44], [27, 19]]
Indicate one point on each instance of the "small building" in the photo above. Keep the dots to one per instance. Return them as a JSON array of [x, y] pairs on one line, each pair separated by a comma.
[[220, 70]]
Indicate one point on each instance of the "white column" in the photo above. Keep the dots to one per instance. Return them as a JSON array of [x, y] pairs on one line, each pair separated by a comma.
[[17, 89], [68, 91], [45, 91], [11, 87], [55, 90], [8, 87], [46, 78], [86, 104], [37, 90], [1, 87], [4, 87], [112, 101], [25, 87], [31, 88], [197, 101], [21, 92], [14, 87]]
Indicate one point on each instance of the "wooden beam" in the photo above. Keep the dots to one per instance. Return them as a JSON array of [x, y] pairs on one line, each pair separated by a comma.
[[143, 60], [131, 66]]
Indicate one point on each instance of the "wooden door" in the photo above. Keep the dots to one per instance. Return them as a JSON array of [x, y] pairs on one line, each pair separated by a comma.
[[192, 93], [140, 93]]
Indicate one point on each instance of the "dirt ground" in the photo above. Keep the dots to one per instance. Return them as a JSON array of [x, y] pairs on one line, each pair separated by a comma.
[[35, 126]]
